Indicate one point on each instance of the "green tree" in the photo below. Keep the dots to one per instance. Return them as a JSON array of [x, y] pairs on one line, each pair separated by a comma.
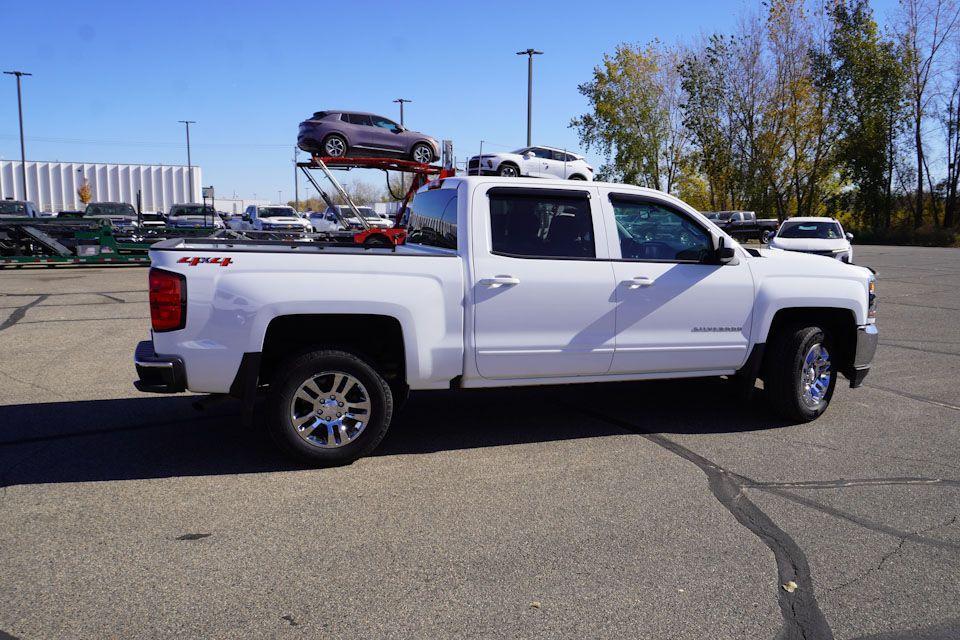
[[635, 116], [865, 78]]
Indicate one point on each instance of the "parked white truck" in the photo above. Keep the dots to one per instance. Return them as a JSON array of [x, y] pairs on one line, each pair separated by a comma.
[[502, 282]]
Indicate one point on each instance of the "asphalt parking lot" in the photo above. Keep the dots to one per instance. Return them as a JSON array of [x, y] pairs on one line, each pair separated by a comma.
[[658, 510]]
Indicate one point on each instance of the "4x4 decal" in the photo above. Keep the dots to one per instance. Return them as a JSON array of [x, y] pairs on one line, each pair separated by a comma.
[[223, 262]]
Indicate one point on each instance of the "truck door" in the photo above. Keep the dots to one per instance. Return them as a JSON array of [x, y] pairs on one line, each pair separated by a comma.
[[542, 287], [675, 312]]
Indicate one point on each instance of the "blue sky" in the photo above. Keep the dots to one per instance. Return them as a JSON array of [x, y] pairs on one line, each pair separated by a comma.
[[111, 79]]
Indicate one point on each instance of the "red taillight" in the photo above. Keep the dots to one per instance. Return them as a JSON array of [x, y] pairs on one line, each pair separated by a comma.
[[168, 300]]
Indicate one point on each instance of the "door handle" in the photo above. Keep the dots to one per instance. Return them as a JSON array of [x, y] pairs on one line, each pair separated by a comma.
[[499, 281], [639, 281]]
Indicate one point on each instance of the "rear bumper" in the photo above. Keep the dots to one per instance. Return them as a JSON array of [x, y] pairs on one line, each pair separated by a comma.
[[867, 339], [158, 373]]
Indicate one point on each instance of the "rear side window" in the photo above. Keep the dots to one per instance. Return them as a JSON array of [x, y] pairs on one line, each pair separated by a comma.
[[548, 224], [433, 219], [356, 118]]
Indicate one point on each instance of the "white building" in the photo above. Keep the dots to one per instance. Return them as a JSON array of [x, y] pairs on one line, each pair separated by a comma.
[[53, 186]]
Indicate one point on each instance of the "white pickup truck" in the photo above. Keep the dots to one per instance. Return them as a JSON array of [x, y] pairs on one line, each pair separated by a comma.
[[502, 282]]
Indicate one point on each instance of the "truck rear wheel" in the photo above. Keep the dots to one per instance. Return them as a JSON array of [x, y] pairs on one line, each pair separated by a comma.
[[800, 376], [329, 407]]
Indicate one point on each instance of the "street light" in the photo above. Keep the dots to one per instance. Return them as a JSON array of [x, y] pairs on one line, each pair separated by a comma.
[[529, 53], [189, 164], [23, 148], [401, 101]]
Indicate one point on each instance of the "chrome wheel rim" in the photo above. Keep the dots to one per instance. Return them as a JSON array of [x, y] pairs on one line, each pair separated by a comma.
[[815, 374], [330, 409], [508, 172], [334, 147], [422, 154]]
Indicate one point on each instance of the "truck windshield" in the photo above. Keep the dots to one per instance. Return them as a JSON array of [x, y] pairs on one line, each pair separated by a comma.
[[192, 210], [10, 208], [110, 209], [811, 230], [276, 212]]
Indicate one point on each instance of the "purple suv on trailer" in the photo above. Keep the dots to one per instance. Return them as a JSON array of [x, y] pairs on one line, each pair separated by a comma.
[[355, 133]]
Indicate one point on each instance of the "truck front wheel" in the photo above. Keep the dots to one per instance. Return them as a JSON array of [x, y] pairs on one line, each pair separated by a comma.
[[329, 407], [800, 374]]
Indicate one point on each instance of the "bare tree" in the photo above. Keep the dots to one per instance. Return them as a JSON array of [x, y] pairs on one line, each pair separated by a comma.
[[924, 26]]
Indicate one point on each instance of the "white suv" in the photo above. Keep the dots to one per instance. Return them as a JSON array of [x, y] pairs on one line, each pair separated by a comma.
[[819, 236], [533, 162]]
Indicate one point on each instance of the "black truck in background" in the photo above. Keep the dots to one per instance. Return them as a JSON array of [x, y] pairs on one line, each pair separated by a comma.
[[744, 225]]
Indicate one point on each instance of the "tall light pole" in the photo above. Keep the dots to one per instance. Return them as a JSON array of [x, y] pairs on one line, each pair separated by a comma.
[[23, 148], [296, 179], [189, 164], [401, 101], [529, 53]]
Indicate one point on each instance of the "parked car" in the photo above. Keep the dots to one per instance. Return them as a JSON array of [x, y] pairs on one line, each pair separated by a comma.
[[744, 225], [501, 283], [18, 209], [122, 215], [194, 216], [271, 217], [533, 162], [356, 133], [820, 236], [327, 221]]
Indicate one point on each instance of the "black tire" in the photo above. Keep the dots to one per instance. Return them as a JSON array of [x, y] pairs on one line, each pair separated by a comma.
[[332, 144], [377, 240], [422, 148], [295, 372], [783, 375], [508, 170], [577, 176]]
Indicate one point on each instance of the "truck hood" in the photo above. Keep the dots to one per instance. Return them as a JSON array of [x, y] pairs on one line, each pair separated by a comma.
[[808, 244]]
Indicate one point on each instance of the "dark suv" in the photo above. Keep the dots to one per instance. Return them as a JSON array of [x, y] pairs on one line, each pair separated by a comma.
[[355, 133]]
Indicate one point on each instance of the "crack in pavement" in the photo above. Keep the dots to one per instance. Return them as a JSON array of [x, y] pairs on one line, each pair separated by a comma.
[[859, 521], [903, 346], [854, 482], [886, 557], [912, 396], [882, 456], [32, 384], [802, 617], [21, 311]]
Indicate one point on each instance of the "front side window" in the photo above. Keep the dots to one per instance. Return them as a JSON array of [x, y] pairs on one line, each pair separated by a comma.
[[548, 225], [546, 154], [383, 123], [433, 218], [651, 231]]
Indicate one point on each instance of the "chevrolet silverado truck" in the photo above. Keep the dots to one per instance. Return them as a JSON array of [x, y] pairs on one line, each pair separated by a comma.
[[502, 282]]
